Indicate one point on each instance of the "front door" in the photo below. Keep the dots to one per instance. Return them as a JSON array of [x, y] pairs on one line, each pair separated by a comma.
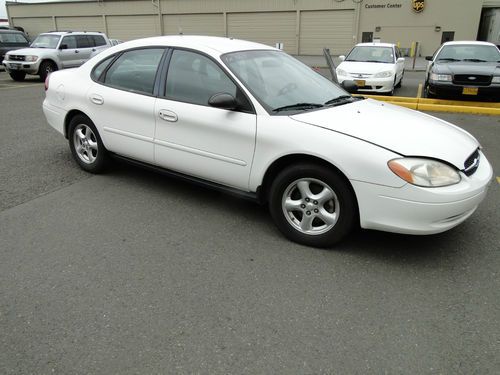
[[69, 54], [195, 138]]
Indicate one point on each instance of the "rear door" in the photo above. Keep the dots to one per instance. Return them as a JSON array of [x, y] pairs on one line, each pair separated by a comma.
[[84, 45]]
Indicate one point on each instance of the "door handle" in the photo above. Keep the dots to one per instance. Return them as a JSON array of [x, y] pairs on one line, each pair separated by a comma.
[[97, 99], [76, 51], [168, 115]]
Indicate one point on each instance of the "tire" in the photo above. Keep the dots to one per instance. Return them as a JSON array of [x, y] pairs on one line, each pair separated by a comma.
[[427, 94], [400, 83], [86, 145], [17, 76], [46, 67], [312, 205]]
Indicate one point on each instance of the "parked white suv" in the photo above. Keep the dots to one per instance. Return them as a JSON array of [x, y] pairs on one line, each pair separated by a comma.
[[53, 51]]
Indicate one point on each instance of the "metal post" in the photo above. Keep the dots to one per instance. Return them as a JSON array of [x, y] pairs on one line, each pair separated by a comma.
[[331, 65], [415, 54]]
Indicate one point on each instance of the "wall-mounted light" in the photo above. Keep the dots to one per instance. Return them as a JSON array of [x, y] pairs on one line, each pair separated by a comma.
[[378, 28], [437, 29]]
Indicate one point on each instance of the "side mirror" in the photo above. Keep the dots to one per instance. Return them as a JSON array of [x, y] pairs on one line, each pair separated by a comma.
[[350, 86], [341, 58], [428, 58], [223, 100], [401, 59], [63, 46]]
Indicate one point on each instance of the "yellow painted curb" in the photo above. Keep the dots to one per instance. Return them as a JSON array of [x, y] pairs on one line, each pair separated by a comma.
[[439, 105]]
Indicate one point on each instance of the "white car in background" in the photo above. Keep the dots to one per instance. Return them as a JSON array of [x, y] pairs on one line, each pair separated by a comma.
[[374, 67], [250, 119]]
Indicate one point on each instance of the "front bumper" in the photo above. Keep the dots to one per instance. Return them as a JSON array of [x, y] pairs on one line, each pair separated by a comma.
[[22, 66], [416, 210], [381, 85], [450, 89]]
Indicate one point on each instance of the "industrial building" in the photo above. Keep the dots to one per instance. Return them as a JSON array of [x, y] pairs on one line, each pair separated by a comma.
[[304, 27]]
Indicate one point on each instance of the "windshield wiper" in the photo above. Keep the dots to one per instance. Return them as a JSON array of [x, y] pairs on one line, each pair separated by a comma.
[[342, 99], [298, 106], [475, 60], [448, 59]]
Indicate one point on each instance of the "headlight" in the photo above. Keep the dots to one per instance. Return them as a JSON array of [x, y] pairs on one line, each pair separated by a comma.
[[496, 79], [441, 77], [424, 172], [383, 74], [31, 58], [7, 57], [341, 72]]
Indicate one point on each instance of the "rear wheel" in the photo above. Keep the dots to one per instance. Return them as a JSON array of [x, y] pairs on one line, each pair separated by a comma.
[[86, 145], [17, 76], [312, 205], [46, 67]]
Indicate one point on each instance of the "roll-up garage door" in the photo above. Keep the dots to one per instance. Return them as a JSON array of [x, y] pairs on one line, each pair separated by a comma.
[[331, 29], [80, 23], [132, 27], [35, 25], [194, 24], [264, 27]]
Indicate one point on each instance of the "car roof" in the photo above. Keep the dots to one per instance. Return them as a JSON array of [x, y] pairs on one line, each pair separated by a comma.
[[471, 42], [12, 31], [208, 44], [70, 32], [375, 44]]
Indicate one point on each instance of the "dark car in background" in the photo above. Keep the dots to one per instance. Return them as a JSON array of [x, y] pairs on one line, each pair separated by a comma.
[[464, 69], [11, 39]]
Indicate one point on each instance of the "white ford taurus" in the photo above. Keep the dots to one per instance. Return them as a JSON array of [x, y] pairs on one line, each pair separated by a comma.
[[247, 118]]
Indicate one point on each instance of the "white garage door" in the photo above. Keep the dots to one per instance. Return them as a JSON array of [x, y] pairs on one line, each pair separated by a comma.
[[266, 27], [132, 27], [34, 26], [333, 29], [194, 24], [80, 23]]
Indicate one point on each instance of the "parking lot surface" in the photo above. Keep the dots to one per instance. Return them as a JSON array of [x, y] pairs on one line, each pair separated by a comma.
[[134, 272]]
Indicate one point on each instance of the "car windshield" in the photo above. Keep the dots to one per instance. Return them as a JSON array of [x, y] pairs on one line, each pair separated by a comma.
[[11, 38], [474, 53], [281, 83], [46, 41], [371, 54]]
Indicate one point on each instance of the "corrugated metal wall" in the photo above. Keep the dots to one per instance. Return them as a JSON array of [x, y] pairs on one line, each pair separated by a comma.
[[305, 26]]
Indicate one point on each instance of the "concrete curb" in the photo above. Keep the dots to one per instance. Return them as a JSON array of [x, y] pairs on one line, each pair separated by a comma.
[[438, 105]]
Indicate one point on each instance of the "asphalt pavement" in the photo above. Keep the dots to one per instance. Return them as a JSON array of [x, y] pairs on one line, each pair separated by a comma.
[[131, 272]]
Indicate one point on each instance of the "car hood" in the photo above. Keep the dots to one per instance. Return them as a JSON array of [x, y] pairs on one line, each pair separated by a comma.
[[365, 67], [30, 51], [404, 131], [467, 67]]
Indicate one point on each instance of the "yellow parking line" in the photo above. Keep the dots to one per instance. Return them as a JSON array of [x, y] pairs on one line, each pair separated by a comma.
[[419, 92], [498, 180], [6, 87]]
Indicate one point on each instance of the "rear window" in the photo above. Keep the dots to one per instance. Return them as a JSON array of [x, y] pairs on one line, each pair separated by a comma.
[[98, 40]]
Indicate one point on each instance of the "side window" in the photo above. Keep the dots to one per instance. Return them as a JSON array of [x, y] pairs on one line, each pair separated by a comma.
[[135, 70], [100, 68], [70, 41], [194, 78], [98, 40], [82, 41]]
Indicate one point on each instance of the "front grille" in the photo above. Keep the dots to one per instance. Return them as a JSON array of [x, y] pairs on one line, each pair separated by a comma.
[[472, 163], [472, 79], [360, 75], [17, 58]]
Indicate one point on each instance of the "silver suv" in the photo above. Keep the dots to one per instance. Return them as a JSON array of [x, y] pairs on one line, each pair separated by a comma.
[[53, 51]]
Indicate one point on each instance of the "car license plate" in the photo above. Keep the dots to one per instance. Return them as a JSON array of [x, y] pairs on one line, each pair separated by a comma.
[[470, 90], [15, 66], [360, 82]]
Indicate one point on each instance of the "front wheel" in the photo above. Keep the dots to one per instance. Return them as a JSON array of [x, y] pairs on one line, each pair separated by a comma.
[[312, 205], [86, 145], [46, 68]]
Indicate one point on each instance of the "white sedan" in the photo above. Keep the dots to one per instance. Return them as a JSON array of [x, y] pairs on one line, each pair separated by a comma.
[[374, 67], [249, 119]]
